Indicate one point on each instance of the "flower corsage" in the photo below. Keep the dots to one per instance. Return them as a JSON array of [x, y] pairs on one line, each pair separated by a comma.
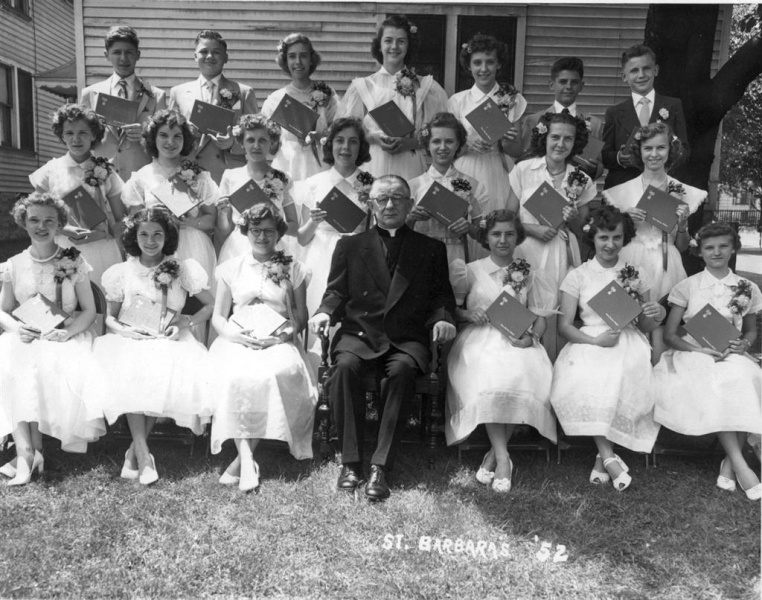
[[229, 98], [676, 189], [517, 274], [97, 170], [275, 186], [363, 184], [406, 82], [163, 276], [575, 184], [65, 268], [741, 299], [189, 172], [278, 267], [629, 278], [320, 95], [144, 89], [506, 97]]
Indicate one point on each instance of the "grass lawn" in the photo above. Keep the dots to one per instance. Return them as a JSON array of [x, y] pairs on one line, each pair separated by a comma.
[[81, 532]]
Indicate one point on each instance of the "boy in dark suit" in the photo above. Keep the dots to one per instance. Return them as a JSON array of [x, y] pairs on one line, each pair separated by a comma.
[[639, 71], [121, 145], [387, 286]]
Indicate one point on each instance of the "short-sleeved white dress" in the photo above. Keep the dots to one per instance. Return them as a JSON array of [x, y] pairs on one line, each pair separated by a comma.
[[267, 393], [696, 395], [490, 380], [43, 382], [153, 377], [604, 391], [62, 175]]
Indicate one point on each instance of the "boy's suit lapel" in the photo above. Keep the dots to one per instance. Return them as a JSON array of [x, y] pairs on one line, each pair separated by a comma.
[[407, 267], [144, 97]]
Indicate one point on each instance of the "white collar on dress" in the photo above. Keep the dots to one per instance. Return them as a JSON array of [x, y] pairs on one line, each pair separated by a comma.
[[707, 280], [596, 266], [336, 177], [69, 163], [477, 95], [490, 266], [451, 172]]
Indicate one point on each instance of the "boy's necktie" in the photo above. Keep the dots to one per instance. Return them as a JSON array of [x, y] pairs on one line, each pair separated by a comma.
[[210, 92], [122, 85], [644, 114]]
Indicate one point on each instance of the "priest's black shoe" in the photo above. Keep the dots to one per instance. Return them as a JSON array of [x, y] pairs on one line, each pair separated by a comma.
[[350, 478], [377, 488]]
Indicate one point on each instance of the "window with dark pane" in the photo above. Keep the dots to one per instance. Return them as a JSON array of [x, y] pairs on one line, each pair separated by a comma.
[[502, 28], [26, 114], [430, 57], [6, 105]]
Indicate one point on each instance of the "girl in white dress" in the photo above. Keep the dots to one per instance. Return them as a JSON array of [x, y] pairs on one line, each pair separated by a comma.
[[602, 380], [444, 138], [655, 149], [345, 149], [43, 372], [169, 137], [482, 57], [556, 139], [262, 387], [259, 137], [418, 97], [301, 158], [144, 375], [81, 130], [481, 389], [700, 390]]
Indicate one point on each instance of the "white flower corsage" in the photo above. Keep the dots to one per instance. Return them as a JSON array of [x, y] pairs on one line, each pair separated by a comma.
[[664, 113], [541, 128]]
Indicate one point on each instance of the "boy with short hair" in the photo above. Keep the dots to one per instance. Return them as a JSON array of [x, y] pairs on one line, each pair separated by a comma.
[[122, 145], [215, 153], [639, 71], [567, 79]]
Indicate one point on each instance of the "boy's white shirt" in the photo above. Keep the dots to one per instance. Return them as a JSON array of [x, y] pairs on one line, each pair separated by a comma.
[[651, 96]]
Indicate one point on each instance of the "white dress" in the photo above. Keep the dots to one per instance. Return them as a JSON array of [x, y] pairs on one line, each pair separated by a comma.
[[193, 242], [604, 391], [292, 157], [42, 382], [456, 250], [261, 393], [695, 394], [154, 377], [489, 380], [488, 168], [366, 93], [62, 175], [550, 259], [645, 249], [237, 244]]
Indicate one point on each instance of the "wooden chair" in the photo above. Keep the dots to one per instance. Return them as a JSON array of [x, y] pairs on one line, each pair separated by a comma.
[[430, 388]]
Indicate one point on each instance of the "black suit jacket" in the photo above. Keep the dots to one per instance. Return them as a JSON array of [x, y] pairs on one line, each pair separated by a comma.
[[378, 311], [620, 122]]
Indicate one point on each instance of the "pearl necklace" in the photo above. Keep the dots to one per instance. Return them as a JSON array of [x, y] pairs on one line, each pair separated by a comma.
[[44, 260]]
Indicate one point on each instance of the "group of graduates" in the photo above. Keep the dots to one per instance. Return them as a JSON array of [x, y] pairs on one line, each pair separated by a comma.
[[276, 275]]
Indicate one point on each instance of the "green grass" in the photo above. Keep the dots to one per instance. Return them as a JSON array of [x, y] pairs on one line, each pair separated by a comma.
[[81, 532]]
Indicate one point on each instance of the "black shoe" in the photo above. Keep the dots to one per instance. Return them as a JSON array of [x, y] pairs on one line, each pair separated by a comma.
[[377, 488], [350, 478]]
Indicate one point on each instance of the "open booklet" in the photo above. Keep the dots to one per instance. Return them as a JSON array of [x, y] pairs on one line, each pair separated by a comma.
[[144, 314], [117, 111], [40, 313], [174, 194], [259, 320]]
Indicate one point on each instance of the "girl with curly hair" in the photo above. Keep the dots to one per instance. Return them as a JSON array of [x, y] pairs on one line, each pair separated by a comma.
[[602, 379], [418, 97], [654, 150], [260, 138], [556, 139], [299, 157], [43, 370], [169, 361], [81, 130], [169, 138], [482, 57]]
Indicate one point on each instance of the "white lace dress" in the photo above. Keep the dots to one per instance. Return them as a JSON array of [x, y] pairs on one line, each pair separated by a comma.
[[366, 93], [604, 391], [489, 380], [153, 377], [43, 382], [695, 394], [645, 249], [261, 394], [193, 242], [62, 175], [292, 157]]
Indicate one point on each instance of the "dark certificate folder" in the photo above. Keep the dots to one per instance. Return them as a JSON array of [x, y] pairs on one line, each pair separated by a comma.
[[615, 306], [445, 206], [591, 152], [343, 214], [660, 208], [509, 316], [710, 329], [247, 196], [211, 119], [84, 209], [489, 121], [117, 111], [295, 117], [144, 314], [547, 206], [40, 313], [392, 121]]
